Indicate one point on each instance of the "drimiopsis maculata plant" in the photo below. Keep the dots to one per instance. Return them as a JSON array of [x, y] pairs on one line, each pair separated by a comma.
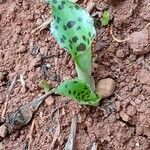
[[73, 28]]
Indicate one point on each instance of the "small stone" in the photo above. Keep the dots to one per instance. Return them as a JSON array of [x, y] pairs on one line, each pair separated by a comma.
[[118, 105], [137, 144], [146, 88], [2, 76], [103, 6], [1, 146], [139, 42], [124, 116], [120, 53], [106, 87], [25, 5], [144, 77], [131, 111], [39, 21], [3, 131], [22, 49], [23, 90], [49, 101], [145, 10], [34, 62]]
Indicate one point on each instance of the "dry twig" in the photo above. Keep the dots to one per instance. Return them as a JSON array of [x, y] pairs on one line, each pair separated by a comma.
[[94, 146], [44, 25], [56, 134], [23, 115], [29, 136], [70, 145], [8, 93], [22, 81], [57, 108], [116, 39], [148, 25], [90, 6]]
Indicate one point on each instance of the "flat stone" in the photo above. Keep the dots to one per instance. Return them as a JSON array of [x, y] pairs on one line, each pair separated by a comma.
[[144, 77], [3, 131], [2, 76], [139, 42], [124, 116], [21, 49], [49, 101]]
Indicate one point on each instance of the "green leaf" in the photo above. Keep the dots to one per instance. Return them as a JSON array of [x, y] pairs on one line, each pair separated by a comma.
[[79, 91], [45, 85], [72, 26], [105, 18]]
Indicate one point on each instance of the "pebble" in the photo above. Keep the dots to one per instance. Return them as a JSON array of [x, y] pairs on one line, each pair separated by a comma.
[[139, 42], [25, 5], [2, 76], [144, 77], [131, 111], [106, 87], [1, 146], [23, 90], [34, 62], [118, 105], [39, 21], [21, 49], [120, 53], [3, 131], [49, 101], [124, 116]]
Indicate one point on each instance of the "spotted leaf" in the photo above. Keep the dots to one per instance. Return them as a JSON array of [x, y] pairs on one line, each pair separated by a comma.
[[79, 91], [72, 26]]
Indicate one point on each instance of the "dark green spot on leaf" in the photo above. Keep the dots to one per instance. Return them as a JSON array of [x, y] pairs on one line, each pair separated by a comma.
[[84, 37], [70, 24], [75, 39], [56, 27], [63, 3], [74, 92], [79, 19], [65, 28], [64, 37], [69, 92], [58, 20], [89, 34], [78, 28], [81, 47], [62, 40], [54, 1], [60, 7], [77, 7]]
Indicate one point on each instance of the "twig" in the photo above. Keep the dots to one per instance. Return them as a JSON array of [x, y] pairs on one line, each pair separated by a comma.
[[42, 98], [117, 40], [56, 134], [8, 95], [94, 146], [23, 115], [22, 81], [147, 25], [44, 25], [70, 145], [90, 6], [57, 109], [29, 136]]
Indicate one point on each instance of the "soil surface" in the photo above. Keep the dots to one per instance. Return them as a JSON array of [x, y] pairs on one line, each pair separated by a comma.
[[121, 122]]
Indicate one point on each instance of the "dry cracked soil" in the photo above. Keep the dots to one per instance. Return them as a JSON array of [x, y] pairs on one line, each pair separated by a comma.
[[122, 121]]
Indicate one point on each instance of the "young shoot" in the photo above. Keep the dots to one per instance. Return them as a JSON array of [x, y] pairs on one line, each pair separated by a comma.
[[73, 28]]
